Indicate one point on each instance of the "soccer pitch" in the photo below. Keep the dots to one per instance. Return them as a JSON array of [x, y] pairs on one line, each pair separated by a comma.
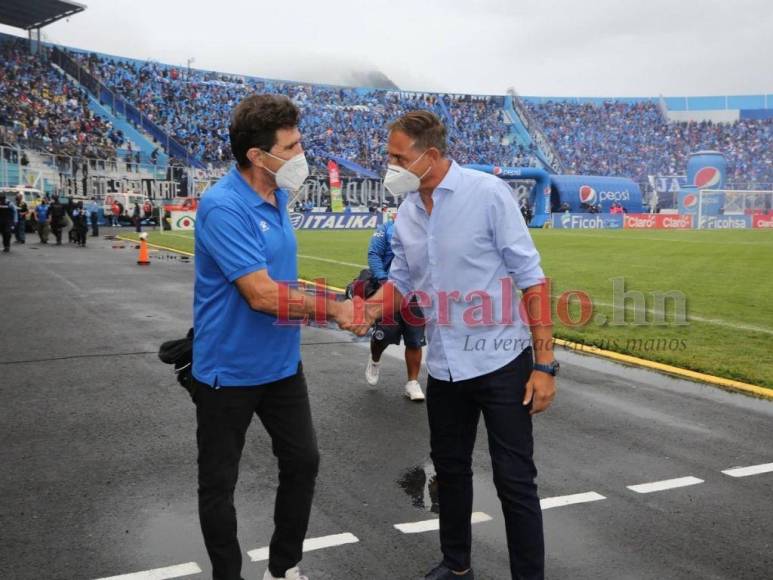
[[725, 277]]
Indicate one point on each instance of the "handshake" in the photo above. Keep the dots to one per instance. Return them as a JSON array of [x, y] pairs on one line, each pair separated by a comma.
[[355, 315]]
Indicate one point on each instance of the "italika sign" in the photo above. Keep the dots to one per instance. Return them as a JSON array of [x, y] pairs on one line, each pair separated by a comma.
[[335, 221]]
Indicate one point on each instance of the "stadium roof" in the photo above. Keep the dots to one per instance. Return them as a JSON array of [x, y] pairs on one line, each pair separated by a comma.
[[30, 14]]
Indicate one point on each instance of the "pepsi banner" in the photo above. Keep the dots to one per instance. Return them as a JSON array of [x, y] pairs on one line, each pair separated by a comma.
[[587, 221], [711, 202], [335, 221], [581, 191]]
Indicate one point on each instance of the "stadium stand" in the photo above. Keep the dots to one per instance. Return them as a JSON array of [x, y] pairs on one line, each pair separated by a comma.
[[636, 140], [43, 109]]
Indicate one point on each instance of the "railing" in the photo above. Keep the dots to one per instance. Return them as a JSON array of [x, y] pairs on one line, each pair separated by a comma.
[[545, 147], [122, 107]]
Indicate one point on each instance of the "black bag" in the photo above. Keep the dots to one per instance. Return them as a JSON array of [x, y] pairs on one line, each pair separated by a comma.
[[180, 354], [365, 285]]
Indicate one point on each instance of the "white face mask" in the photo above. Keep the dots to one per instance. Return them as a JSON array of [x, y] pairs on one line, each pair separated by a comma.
[[293, 172], [399, 180]]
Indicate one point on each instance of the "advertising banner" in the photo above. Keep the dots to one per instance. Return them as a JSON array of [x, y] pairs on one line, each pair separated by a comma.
[[335, 221], [336, 199], [592, 221], [182, 220]]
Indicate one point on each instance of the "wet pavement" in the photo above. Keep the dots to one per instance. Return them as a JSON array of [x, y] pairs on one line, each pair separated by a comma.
[[98, 453]]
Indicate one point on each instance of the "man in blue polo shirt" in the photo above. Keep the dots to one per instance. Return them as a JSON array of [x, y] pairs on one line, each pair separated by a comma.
[[246, 348]]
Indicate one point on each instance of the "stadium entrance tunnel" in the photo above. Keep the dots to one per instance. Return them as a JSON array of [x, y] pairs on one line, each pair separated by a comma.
[[539, 198], [574, 192]]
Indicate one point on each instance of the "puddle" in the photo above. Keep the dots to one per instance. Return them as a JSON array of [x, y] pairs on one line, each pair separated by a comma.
[[420, 484]]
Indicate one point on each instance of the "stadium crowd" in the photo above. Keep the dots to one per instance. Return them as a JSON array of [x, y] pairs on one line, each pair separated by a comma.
[[41, 109], [193, 107], [635, 140]]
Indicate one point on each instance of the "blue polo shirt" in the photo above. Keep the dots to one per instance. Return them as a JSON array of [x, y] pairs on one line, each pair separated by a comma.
[[237, 233]]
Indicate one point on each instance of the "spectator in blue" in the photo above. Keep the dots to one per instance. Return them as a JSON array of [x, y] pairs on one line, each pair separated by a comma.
[[93, 211], [43, 220], [379, 260]]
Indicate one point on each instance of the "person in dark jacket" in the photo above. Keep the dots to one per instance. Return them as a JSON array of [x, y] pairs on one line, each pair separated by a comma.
[[22, 210], [7, 220], [137, 218], [57, 218], [80, 224]]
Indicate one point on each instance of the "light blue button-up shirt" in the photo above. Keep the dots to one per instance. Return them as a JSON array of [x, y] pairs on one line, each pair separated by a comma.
[[466, 262]]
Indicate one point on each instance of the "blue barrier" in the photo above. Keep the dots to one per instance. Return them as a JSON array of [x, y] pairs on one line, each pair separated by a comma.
[[540, 193]]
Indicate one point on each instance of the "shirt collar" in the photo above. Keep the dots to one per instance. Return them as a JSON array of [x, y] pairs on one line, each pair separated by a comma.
[[449, 183], [250, 195]]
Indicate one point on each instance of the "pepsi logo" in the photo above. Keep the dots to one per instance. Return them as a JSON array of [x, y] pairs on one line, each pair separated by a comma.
[[707, 177], [497, 170], [690, 200], [587, 194]]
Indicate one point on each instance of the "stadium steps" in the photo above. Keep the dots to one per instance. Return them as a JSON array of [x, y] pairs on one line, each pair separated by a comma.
[[140, 141]]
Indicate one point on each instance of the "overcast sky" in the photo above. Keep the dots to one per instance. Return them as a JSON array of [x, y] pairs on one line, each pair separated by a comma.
[[539, 47]]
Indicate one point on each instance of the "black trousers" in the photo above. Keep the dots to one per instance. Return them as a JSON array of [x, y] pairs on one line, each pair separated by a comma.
[[6, 230], [223, 416], [454, 408], [94, 224]]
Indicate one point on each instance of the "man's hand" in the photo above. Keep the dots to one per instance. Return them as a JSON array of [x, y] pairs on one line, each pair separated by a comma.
[[351, 316], [540, 391]]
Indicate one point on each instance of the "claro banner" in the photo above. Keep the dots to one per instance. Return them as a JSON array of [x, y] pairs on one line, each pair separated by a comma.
[[657, 221]]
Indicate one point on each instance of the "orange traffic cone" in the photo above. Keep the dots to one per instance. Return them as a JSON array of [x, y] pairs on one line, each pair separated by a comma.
[[143, 259]]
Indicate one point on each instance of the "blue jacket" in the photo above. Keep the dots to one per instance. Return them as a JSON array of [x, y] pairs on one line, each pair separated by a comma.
[[380, 251]]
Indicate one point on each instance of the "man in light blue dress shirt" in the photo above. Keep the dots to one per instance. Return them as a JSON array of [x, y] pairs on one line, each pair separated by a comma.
[[462, 248]]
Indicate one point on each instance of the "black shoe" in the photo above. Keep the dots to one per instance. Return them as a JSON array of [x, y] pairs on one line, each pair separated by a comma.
[[6, 249], [442, 572]]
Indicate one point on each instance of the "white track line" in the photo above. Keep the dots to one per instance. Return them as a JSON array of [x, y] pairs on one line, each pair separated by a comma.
[[177, 571], [429, 525], [747, 471], [329, 261], [665, 484], [562, 500], [261, 554]]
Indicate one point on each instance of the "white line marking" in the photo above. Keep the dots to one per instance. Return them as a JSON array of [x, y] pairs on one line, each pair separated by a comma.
[[665, 484], [160, 573], [261, 554], [715, 321], [329, 261], [429, 525], [751, 470], [562, 500]]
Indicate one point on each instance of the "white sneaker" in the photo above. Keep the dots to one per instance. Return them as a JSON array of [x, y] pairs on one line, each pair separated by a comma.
[[413, 391], [291, 574], [372, 371]]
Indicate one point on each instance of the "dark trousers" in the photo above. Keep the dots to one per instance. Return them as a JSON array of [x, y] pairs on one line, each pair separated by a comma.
[[454, 408], [57, 231], [6, 230], [94, 224], [80, 234], [21, 230], [223, 416]]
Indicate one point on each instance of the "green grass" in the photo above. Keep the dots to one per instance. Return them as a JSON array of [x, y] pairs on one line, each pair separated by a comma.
[[725, 277]]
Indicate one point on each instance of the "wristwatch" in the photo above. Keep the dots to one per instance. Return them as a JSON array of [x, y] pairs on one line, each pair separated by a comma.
[[551, 369]]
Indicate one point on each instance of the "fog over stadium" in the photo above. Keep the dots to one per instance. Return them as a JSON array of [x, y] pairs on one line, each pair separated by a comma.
[[547, 47]]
